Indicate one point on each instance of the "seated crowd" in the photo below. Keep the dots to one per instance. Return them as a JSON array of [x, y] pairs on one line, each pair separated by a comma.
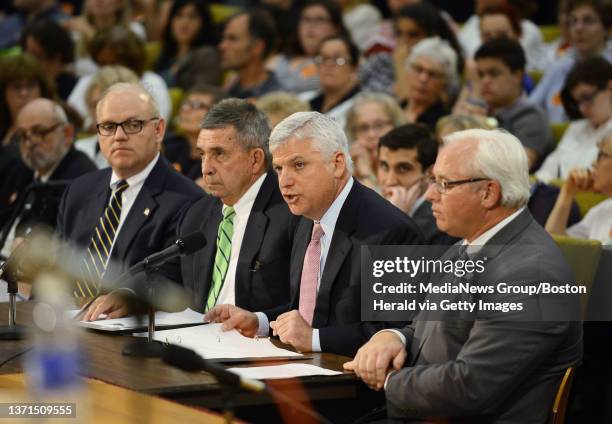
[[291, 137]]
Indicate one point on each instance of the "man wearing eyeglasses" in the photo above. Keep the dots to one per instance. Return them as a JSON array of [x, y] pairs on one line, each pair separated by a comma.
[[128, 211], [492, 366], [45, 142]]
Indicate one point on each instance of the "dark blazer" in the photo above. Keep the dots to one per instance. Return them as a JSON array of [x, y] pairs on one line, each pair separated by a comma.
[[150, 225], [492, 370], [262, 272], [365, 219], [426, 222], [44, 210]]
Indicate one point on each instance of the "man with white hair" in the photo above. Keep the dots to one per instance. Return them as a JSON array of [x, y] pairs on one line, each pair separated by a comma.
[[126, 212], [45, 142], [339, 215], [494, 366]]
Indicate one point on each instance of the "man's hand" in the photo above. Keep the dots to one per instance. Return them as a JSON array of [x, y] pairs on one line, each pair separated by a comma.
[[402, 197], [113, 305], [292, 329], [375, 359], [234, 317]]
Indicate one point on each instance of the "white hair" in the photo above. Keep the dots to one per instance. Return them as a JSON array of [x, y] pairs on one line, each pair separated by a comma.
[[441, 52], [499, 156], [143, 92], [326, 135]]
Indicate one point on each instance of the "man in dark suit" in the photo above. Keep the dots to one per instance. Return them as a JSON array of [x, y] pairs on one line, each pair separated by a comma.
[[405, 157], [47, 154], [492, 365], [128, 211], [339, 215], [236, 167]]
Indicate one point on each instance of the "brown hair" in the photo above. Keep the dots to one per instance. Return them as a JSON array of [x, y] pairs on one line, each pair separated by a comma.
[[129, 50]]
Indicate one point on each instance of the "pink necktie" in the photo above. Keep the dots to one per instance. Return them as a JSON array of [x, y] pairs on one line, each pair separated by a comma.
[[310, 274]]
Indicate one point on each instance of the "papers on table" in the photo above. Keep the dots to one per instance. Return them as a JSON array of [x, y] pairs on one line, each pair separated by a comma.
[[162, 319], [282, 371], [212, 343]]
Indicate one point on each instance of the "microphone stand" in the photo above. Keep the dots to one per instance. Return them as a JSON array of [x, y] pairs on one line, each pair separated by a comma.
[[12, 331]]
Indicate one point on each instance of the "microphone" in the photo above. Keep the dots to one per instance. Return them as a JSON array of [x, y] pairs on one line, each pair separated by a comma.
[[188, 360], [182, 246]]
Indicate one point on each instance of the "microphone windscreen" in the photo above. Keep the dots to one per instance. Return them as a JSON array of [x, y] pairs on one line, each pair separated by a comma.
[[182, 358], [191, 243]]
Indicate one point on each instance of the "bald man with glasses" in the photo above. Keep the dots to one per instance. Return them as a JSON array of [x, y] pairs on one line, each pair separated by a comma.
[[130, 210]]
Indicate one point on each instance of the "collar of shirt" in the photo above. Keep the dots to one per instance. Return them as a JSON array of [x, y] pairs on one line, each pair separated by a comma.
[[482, 239], [135, 181], [417, 204], [244, 205], [329, 218]]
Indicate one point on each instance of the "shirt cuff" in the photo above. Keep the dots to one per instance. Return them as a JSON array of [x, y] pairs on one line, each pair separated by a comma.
[[397, 332], [264, 324], [387, 379], [316, 341]]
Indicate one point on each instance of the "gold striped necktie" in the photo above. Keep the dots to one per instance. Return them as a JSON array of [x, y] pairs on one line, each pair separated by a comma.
[[99, 250]]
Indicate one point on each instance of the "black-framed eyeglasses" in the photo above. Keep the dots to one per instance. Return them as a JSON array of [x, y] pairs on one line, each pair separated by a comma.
[[444, 187], [130, 126], [36, 134]]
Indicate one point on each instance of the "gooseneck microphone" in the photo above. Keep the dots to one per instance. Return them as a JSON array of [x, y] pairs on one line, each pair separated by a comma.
[[182, 246]]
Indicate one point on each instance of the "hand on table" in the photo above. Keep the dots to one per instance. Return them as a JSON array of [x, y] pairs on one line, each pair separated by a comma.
[[292, 329]]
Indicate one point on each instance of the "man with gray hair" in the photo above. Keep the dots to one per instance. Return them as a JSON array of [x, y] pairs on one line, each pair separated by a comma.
[[126, 212], [45, 142], [338, 216], [494, 366]]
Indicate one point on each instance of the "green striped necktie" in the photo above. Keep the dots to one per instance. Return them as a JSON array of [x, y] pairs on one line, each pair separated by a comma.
[[222, 257], [99, 250]]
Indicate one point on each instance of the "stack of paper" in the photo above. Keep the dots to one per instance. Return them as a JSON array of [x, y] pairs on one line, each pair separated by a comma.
[[282, 371], [162, 319]]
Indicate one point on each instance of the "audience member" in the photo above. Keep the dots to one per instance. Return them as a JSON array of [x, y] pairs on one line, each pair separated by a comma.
[[597, 223], [295, 68], [310, 156], [126, 212], [337, 59], [28, 12], [119, 46], [189, 55], [249, 38], [52, 46], [589, 24], [452, 368], [279, 105], [45, 140], [371, 116], [589, 84], [453, 123], [406, 155]]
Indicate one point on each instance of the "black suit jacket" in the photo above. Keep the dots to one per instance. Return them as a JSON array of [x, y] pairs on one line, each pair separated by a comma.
[[150, 225], [262, 272], [365, 219]]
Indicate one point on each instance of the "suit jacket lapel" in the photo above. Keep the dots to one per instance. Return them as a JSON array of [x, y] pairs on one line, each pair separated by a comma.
[[202, 274], [92, 209], [301, 240], [252, 239]]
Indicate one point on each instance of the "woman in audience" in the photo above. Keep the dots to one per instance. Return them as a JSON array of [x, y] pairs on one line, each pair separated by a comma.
[[278, 105], [589, 84], [99, 15], [371, 116], [589, 24], [188, 52], [180, 146], [597, 223], [104, 77], [119, 46], [296, 69], [337, 59], [453, 123], [431, 81]]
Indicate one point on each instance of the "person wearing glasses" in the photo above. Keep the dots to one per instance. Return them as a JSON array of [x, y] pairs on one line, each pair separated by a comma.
[[486, 366], [337, 60], [45, 138], [597, 223], [130, 210], [431, 81]]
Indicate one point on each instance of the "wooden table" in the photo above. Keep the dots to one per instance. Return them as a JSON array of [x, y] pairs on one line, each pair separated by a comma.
[[152, 376]]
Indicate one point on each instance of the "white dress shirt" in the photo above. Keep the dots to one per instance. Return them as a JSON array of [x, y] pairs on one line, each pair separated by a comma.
[[328, 222], [243, 209]]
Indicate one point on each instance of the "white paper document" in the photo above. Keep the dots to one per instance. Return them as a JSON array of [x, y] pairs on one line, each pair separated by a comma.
[[162, 319], [212, 343], [282, 371]]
